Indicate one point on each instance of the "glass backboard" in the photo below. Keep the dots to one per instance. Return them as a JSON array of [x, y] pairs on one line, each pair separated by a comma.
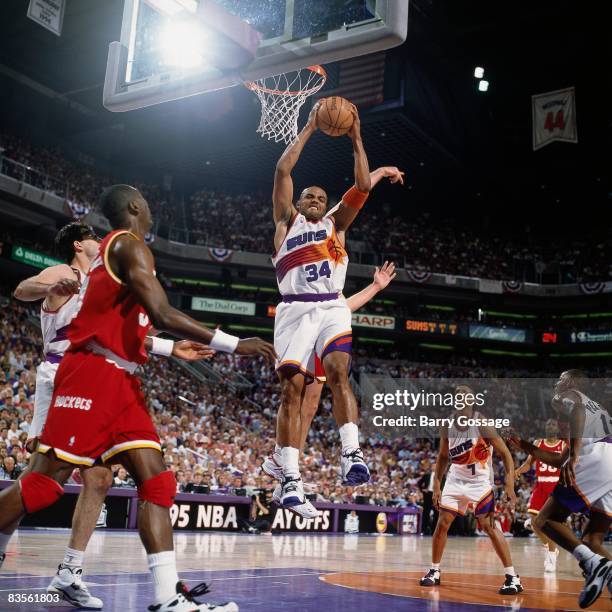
[[171, 49]]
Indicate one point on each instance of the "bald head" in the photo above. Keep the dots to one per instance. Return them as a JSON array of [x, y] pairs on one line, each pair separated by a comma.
[[115, 204]]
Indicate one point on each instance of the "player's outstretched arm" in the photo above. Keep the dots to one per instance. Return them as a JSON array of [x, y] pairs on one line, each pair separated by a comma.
[[56, 281], [282, 195], [187, 350], [354, 199], [393, 173], [525, 466], [382, 277], [548, 457], [132, 261]]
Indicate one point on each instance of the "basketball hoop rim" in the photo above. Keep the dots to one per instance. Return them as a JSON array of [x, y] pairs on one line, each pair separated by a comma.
[[255, 86]]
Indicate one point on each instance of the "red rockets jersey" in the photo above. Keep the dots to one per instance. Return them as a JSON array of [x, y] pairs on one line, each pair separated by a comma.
[[545, 472], [109, 314]]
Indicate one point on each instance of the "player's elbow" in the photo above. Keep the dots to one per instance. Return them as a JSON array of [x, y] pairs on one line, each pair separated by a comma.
[[282, 169], [19, 293], [161, 319], [364, 183]]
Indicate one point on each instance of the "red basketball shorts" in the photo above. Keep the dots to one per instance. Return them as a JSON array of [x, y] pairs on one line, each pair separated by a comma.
[[541, 492], [97, 411]]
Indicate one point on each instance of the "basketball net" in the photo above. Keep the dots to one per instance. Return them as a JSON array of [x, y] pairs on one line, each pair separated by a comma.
[[281, 98]]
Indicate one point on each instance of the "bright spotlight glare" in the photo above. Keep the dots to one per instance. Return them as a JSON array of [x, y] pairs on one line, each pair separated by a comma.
[[483, 85], [479, 72], [182, 44]]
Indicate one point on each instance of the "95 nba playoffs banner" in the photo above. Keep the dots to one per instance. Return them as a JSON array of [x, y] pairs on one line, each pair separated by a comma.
[[554, 117], [48, 13]]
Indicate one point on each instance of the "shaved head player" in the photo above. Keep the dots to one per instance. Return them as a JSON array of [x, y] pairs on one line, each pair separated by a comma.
[[313, 318], [97, 409]]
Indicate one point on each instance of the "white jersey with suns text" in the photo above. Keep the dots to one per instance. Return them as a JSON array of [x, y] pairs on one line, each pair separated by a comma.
[[470, 455], [597, 424], [311, 259]]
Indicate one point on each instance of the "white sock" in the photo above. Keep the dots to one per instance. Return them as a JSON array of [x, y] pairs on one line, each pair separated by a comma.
[[73, 558], [435, 566], [583, 553], [163, 569], [277, 452], [510, 570], [4, 540], [349, 435], [290, 461]]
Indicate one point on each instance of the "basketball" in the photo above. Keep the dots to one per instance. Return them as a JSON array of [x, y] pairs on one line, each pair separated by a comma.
[[334, 116]]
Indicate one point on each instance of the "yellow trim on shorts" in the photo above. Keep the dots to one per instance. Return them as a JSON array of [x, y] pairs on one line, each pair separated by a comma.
[[452, 510], [301, 368], [119, 448], [65, 456]]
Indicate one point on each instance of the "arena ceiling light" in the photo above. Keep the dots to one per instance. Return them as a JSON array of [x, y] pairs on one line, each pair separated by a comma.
[[479, 72], [483, 85]]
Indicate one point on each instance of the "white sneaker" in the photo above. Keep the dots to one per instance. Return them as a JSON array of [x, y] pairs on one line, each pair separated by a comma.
[[550, 561], [598, 575], [354, 470], [293, 498], [184, 601], [68, 584], [272, 468]]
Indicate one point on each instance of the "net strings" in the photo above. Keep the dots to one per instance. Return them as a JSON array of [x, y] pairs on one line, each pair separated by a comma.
[[280, 110]]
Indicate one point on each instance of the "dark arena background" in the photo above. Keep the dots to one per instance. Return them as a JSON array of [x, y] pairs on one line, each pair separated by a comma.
[[500, 230]]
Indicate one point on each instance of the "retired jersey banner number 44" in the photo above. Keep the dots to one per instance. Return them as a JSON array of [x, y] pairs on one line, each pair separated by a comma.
[[48, 13], [554, 117]]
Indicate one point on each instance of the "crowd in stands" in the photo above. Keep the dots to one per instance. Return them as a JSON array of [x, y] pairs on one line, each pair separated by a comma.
[[243, 222], [78, 182]]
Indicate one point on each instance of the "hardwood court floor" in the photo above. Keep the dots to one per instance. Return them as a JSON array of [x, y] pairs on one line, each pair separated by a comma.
[[306, 573]]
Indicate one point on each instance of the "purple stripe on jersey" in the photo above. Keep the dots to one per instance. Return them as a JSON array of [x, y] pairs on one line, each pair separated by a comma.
[[61, 334], [310, 297], [486, 506], [343, 344], [53, 358]]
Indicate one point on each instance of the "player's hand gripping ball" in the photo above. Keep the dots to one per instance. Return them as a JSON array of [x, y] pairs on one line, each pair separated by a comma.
[[335, 116]]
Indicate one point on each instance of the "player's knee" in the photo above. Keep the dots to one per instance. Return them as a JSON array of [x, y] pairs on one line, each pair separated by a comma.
[[291, 391], [336, 373], [98, 479], [485, 525], [39, 491], [539, 522], [159, 489], [445, 520]]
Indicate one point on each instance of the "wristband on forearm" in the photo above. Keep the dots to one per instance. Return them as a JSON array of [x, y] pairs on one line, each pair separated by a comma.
[[161, 346], [354, 198], [224, 342]]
